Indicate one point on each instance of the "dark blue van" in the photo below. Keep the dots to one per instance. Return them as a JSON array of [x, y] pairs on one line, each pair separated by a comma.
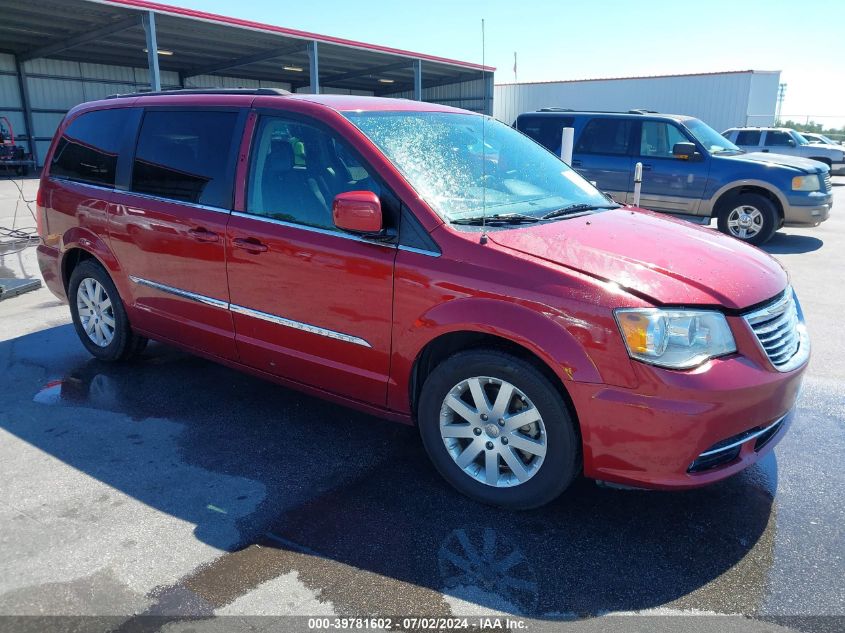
[[689, 170]]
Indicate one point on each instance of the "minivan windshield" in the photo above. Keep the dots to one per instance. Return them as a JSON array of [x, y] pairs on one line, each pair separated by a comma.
[[710, 138], [465, 166]]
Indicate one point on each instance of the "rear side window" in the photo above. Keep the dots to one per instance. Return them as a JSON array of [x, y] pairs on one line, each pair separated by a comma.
[[775, 138], [546, 130], [605, 136], [185, 155], [748, 137], [88, 149]]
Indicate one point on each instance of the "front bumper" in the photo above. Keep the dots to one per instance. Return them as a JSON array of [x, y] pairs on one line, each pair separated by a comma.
[[651, 436], [812, 214]]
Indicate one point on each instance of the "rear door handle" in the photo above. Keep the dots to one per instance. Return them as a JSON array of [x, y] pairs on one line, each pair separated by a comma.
[[576, 163], [249, 244], [646, 167], [764, 150], [203, 235]]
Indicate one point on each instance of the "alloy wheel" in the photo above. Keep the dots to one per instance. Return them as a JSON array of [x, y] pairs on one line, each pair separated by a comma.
[[96, 313], [493, 431], [745, 222]]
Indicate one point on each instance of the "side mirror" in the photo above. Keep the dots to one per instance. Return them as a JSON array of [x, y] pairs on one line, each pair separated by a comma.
[[790, 142], [684, 151], [357, 212]]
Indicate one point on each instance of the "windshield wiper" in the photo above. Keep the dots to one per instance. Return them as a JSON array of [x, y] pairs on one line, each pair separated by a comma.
[[577, 208], [497, 218]]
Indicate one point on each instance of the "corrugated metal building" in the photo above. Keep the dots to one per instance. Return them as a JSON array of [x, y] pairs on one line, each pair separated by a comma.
[[721, 100], [55, 54]]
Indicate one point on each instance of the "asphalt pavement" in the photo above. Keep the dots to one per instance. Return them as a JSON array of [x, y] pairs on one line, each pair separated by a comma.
[[159, 493]]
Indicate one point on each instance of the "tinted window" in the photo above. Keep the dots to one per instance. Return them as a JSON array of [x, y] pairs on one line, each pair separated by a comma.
[[748, 137], [185, 155], [605, 136], [88, 149], [297, 170], [658, 138], [776, 138], [546, 130]]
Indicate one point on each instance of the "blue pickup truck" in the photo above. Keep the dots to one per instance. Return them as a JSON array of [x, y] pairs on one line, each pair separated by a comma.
[[689, 170]]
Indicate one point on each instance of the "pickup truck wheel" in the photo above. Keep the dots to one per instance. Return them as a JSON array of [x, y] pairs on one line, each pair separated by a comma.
[[98, 314], [749, 217], [498, 430]]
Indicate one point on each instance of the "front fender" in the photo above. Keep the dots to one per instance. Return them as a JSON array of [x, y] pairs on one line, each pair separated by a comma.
[[545, 334]]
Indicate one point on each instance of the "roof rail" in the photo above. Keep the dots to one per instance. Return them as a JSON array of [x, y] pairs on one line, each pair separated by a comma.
[[206, 91], [642, 111], [555, 110]]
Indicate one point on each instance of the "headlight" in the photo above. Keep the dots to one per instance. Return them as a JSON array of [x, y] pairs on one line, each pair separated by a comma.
[[678, 339], [806, 183]]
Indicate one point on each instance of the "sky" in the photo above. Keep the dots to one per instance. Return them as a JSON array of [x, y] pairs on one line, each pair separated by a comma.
[[561, 39]]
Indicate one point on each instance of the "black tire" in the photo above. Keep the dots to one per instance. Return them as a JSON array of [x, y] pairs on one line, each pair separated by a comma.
[[826, 161], [562, 461], [125, 343], [770, 217]]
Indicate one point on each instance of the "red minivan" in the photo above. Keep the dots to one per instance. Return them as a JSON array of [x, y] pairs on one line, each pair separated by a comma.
[[429, 265]]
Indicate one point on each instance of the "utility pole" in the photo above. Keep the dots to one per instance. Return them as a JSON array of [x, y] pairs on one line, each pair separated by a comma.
[[781, 94]]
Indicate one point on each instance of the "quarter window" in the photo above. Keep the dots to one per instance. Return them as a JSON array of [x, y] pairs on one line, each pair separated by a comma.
[[296, 171], [748, 137], [186, 155], [775, 138], [605, 136], [88, 149], [659, 138]]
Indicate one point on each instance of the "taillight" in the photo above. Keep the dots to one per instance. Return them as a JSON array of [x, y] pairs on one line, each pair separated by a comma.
[[40, 212]]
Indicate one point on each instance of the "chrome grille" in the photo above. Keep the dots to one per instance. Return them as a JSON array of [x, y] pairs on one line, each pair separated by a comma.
[[780, 330], [827, 184]]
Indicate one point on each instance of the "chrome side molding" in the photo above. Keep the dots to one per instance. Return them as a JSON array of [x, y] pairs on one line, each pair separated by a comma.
[[264, 316]]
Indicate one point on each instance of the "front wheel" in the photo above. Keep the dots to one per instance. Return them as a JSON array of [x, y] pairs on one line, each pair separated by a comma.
[[749, 217], [498, 430]]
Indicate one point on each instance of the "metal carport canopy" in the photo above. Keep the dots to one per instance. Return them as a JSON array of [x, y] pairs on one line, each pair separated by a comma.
[[113, 32]]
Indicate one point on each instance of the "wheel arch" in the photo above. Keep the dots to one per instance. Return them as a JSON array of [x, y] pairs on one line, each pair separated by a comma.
[[448, 344], [79, 245], [823, 159], [733, 190]]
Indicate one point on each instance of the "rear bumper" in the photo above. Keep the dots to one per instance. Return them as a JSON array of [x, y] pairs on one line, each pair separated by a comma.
[[651, 437], [49, 261]]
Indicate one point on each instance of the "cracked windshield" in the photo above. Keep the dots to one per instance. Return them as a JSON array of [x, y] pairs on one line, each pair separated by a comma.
[[464, 165]]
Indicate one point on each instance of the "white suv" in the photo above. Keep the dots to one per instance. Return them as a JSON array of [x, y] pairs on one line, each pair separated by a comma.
[[781, 140]]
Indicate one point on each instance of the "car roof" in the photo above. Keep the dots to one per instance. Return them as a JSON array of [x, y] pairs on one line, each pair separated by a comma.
[[245, 98], [641, 114]]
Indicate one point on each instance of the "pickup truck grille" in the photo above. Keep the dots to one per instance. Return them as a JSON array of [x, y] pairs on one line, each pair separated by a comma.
[[827, 185], [776, 327]]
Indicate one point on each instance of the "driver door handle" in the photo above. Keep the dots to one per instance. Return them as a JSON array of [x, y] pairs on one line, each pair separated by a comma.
[[202, 234]]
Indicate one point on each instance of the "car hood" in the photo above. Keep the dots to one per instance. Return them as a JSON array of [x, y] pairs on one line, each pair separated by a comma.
[[664, 260], [805, 165]]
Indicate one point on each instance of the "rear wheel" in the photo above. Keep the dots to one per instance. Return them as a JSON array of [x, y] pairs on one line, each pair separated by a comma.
[[749, 217], [498, 430], [99, 316]]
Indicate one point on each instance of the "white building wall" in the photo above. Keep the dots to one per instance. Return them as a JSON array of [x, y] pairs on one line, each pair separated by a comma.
[[720, 100], [762, 98]]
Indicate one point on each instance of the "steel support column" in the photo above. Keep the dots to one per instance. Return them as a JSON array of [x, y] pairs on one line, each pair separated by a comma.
[[23, 86], [418, 79], [149, 21], [314, 66], [488, 93]]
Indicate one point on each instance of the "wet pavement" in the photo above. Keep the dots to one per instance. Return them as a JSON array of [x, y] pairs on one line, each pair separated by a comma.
[[171, 487]]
